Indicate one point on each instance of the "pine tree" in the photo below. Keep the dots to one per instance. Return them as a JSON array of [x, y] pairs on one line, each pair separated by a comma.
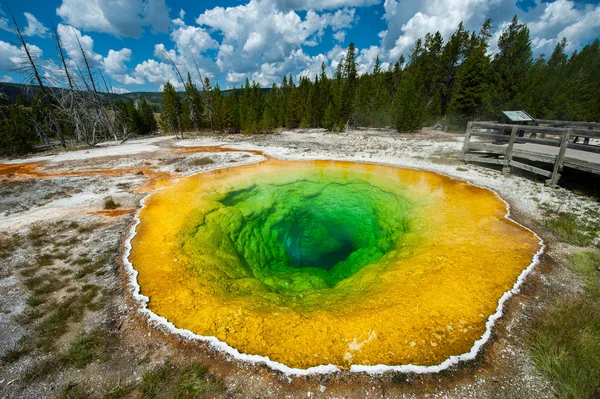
[[20, 100], [410, 102], [293, 109], [194, 104], [325, 97], [473, 79], [236, 124], [349, 85], [17, 133], [134, 118], [147, 117], [170, 113], [207, 95], [363, 112], [269, 119], [380, 100], [431, 72], [511, 65], [579, 94], [330, 117], [452, 56], [218, 114]]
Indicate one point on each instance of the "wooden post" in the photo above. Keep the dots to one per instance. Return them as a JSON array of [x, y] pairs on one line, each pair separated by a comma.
[[467, 138], [509, 150], [559, 159]]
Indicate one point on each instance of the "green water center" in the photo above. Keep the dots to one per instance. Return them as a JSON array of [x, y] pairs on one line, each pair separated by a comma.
[[305, 234]]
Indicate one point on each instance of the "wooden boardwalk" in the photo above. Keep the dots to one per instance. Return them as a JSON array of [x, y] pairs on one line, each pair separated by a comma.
[[518, 146]]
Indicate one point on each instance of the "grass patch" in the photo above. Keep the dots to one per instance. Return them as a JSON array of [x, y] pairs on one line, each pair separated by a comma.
[[89, 227], [21, 349], [116, 391], [8, 244], [42, 285], [81, 261], [86, 348], [153, 382], [109, 203], [55, 325], [566, 339], [36, 300], [73, 225], [587, 263], [44, 260], [28, 316], [570, 229], [73, 390], [41, 369], [90, 267], [202, 161], [36, 232], [30, 271], [192, 381]]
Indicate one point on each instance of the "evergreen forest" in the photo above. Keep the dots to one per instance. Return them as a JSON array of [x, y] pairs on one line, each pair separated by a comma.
[[442, 83]]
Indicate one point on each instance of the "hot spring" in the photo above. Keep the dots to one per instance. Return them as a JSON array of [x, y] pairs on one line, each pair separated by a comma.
[[323, 262]]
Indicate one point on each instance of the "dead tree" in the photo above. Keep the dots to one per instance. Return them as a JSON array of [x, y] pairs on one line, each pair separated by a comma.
[[62, 56], [46, 96], [87, 64]]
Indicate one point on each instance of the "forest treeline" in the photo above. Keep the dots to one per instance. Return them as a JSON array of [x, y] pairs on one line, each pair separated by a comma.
[[442, 82], [446, 83]]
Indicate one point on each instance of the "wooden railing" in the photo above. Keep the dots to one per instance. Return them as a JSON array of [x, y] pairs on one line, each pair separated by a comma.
[[500, 147]]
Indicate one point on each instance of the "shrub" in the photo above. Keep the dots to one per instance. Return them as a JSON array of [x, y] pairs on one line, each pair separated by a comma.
[[110, 203]]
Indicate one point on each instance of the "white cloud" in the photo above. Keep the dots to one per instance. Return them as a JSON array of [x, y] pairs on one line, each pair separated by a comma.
[[7, 79], [233, 77], [4, 24], [34, 27], [192, 39], [152, 71], [261, 33], [408, 22], [267, 39], [114, 62], [340, 36], [564, 18], [548, 22], [366, 59], [120, 90], [133, 80], [117, 17], [68, 38], [288, 5], [13, 58]]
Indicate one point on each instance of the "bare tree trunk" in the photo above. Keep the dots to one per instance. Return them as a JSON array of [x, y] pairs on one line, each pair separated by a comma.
[[82, 76], [87, 64], [62, 56], [34, 69]]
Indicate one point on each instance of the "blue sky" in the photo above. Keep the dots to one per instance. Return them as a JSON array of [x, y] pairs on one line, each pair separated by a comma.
[[261, 39]]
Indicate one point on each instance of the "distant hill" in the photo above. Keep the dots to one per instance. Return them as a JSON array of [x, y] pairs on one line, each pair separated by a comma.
[[11, 90]]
